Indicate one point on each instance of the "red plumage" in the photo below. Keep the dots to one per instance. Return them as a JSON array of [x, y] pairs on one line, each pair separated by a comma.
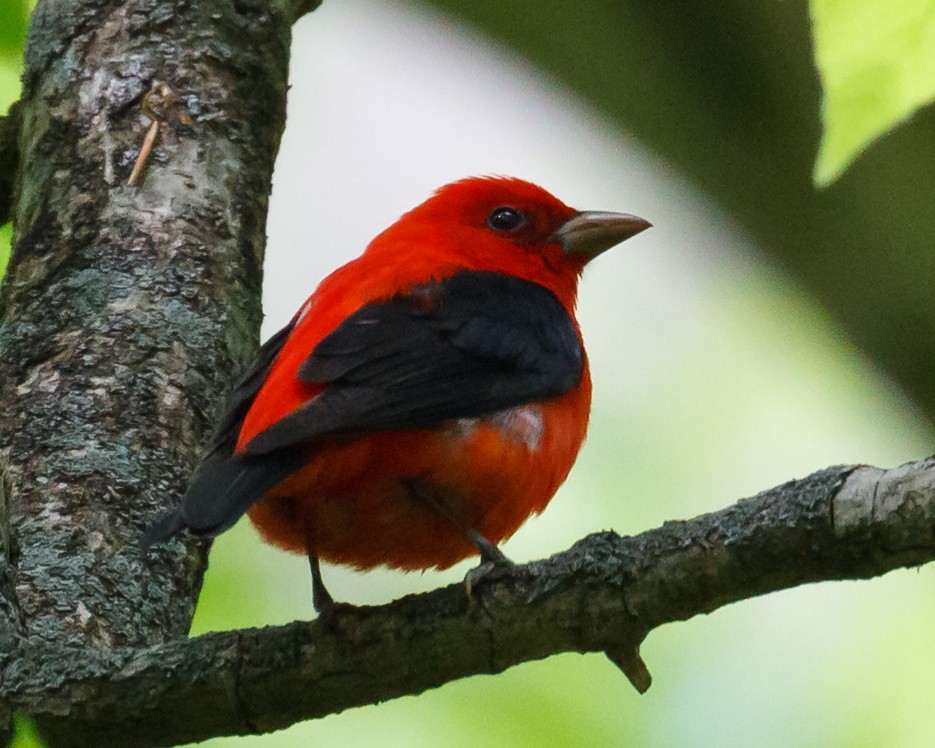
[[429, 392]]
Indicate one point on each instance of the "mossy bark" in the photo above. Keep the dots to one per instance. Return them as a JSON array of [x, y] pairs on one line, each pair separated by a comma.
[[125, 309]]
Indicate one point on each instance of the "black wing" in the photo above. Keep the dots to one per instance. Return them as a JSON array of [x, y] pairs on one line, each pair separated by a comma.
[[210, 505], [467, 346], [463, 347]]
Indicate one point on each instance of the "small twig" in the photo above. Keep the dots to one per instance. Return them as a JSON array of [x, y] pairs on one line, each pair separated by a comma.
[[632, 666], [163, 106], [148, 142]]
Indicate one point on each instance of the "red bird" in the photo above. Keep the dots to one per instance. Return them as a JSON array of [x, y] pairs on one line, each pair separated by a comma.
[[428, 397]]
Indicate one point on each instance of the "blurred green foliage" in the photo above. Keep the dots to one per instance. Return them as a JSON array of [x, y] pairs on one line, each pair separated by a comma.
[[26, 736], [877, 64], [14, 17], [727, 92], [6, 235]]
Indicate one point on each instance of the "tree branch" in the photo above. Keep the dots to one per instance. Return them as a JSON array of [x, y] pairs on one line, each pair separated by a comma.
[[606, 593]]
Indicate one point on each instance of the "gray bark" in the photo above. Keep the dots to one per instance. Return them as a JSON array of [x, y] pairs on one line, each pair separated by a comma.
[[125, 309]]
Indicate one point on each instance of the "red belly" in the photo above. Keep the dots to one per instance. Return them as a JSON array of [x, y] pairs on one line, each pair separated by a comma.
[[368, 501]]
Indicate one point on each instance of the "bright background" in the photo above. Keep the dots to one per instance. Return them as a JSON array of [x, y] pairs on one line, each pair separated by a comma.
[[716, 376]]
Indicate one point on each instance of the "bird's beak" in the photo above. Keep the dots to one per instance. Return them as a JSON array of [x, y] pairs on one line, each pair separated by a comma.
[[592, 232]]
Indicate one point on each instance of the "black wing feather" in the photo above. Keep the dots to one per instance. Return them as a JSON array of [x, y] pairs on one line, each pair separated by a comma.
[[463, 347], [224, 485]]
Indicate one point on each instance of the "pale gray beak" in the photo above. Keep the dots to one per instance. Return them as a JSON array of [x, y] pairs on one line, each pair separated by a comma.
[[592, 232]]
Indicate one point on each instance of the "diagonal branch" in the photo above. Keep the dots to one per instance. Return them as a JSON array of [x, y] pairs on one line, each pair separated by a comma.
[[603, 594]]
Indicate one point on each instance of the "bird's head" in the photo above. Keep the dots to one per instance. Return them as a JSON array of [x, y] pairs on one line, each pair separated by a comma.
[[503, 224]]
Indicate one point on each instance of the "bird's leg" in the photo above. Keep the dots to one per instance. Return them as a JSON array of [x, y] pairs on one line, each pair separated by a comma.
[[491, 557], [321, 598], [489, 552], [329, 612], [322, 601]]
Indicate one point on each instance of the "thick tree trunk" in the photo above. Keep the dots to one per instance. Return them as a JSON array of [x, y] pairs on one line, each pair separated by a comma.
[[125, 308]]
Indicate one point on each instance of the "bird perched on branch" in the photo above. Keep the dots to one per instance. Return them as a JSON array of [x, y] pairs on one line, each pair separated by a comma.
[[427, 399]]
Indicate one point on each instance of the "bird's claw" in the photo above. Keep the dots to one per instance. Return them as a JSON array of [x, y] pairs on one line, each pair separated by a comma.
[[488, 567], [330, 614]]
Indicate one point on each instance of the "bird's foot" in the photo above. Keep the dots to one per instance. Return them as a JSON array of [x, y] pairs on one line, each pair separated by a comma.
[[492, 560], [327, 609], [330, 615], [491, 563], [482, 573]]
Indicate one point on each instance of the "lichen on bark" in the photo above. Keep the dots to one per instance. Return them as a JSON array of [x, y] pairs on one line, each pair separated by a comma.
[[125, 310]]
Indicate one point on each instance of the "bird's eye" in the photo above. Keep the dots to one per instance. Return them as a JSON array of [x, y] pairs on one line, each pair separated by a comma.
[[505, 219]]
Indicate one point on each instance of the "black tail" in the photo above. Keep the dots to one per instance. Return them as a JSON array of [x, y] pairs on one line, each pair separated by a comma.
[[222, 489], [225, 484]]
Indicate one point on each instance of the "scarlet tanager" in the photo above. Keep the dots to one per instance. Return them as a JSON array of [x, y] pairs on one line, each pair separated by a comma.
[[428, 397]]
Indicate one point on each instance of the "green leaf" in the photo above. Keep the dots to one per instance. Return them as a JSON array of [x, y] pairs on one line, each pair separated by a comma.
[[14, 15], [876, 59]]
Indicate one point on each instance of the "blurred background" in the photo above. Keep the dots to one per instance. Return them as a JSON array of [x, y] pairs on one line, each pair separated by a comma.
[[760, 331]]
